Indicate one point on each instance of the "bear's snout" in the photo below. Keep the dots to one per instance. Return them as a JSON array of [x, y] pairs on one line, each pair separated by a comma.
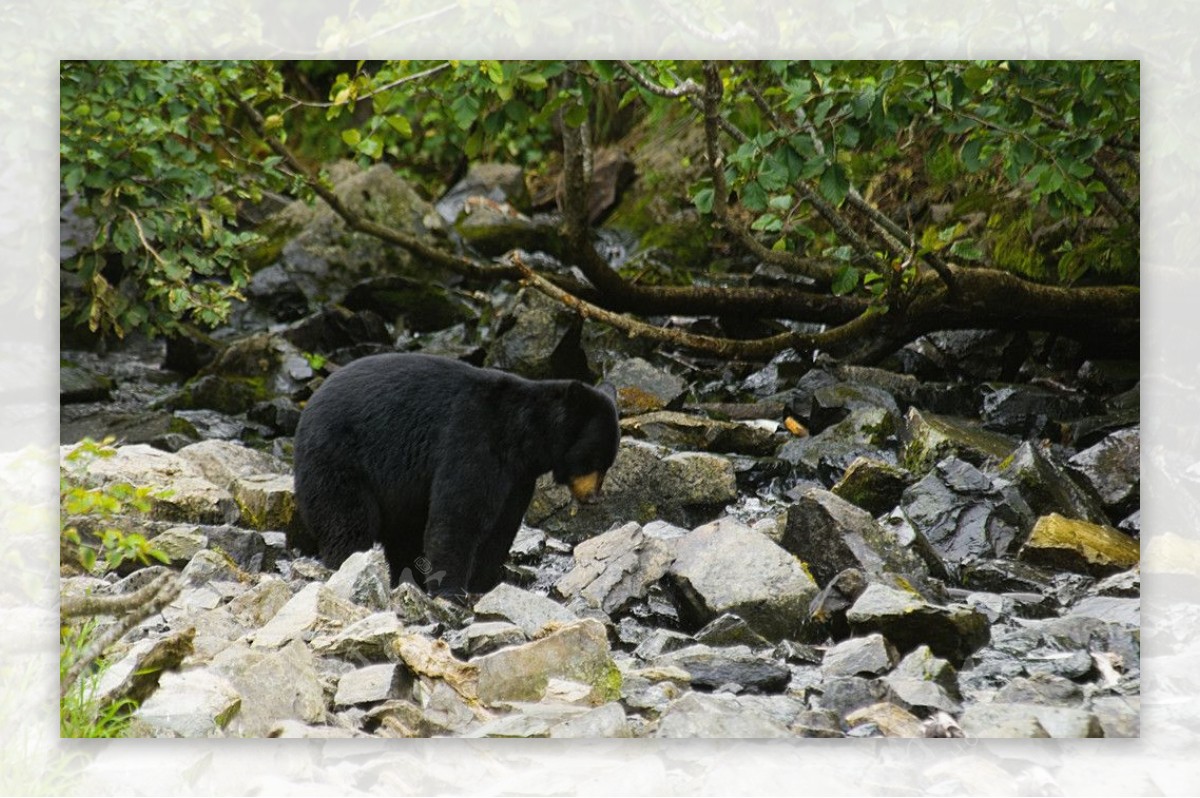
[[586, 489]]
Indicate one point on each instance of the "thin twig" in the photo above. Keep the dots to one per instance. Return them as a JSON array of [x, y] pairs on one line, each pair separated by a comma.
[[297, 102]]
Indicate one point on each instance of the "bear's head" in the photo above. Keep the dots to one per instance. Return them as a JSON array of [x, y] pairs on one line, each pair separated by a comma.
[[592, 438]]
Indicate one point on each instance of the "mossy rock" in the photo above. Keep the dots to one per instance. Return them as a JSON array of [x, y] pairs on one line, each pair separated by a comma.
[[1072, 545]]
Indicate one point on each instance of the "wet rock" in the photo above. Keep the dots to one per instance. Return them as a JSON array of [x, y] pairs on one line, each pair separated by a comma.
[[363, 580], [78, 384], [1127, 584], [1028, 720], [1113, 469], [281, 414], [830, 535], [530, 611], [1047, 487], [964, 513], [730, 630], [484, 637], [1000, 576], [643, 388], [684, 431], [373, 683], [889, 719], [616, 568], [606, 721], [1072, 545], [1111, 609], [717, 716], [277, 293], [827, 612], [273, 685], [929, 439], [1029, 410], [833, 403], [190, 703], [498, 182], [737, 665], [419, 305], [646, 483], [859, 656], [538, 338], [923, 680], [907, 621], [873, 485], [576, 652], [789, 368], [866, 432], [1042, 688], [314, 609], [844, 694], [366, 640], [727, 567]]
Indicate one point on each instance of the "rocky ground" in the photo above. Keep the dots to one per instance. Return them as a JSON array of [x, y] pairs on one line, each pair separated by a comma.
[[946, 545]]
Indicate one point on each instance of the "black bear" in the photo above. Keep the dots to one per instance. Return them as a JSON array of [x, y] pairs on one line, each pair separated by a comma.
[[436, 459]]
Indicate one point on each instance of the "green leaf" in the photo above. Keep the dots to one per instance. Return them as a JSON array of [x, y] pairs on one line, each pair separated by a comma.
[[352, 136], [703, 200], [966, 249], [834, 184], [576, 115], [845, 281], [772, 174], [464, 108], [401, 125], [970, 155], [753, 197], [768, 222]]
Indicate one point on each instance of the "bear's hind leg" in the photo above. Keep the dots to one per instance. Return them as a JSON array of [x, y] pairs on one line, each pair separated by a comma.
[[341, 514]]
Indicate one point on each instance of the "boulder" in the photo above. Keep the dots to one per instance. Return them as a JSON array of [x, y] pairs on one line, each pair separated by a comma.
[[923, 680], [615, 569], [908, 621], [274, 685], [1068, 544], [866, 432], [1112, 468], [643, 388], [195, 702], [717, 717], [577, 651], [529, 611], [712, 668], [873, 485], [1028, 720], [725, 566], [363, 580], [698, 433], [1046, 485], [871, 655], [314, 609], [928, 439], [887, 718], [372, 684]]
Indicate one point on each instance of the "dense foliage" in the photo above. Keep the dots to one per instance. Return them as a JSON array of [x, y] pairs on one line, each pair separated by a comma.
[[865, 168]]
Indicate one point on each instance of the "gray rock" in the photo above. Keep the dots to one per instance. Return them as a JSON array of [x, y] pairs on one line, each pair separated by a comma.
[[888, 719], [730, 630], [643, 388], [1043, 689], [859, 656], [484, 637], [528, 546], [908, 621], [295, 730], [224, 462], [246, 547], [717, 716], [493, 228], [274, 685], [207, 566], [845, 694], [415, 608], [964, 514], [373, 683], [614, 569], [1046, 485], [818, 723], [539, 339], [78, 384], [499, 182], [606, 721], [576, 652], [929, 439], [1113, 469], [366, 640], [363, 580], [1125, 611], [830, 535], [727, 567], [266, 501], [528, 720], [443, 710], [1119, 716], [873, 485], [179, 543], [1028, 720], [699, 433], [136, 674], [923, 680], [833, 403], [646, 483], [1029, 410], [259, 604], [314, 609], [530, 611], [715, 667], [190, 703], [661, 641], [866, 432]]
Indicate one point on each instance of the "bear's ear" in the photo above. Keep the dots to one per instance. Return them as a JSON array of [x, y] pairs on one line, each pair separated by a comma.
[[609, 390]]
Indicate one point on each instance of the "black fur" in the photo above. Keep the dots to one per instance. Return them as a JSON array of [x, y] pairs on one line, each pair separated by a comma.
[[437, 460]]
